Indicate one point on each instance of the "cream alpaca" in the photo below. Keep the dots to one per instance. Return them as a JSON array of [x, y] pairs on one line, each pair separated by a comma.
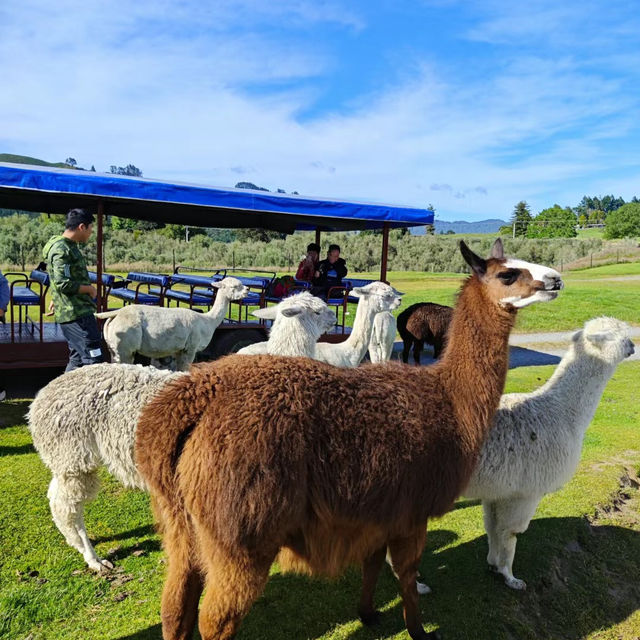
[[158, 332], [298, 322], [74, 439], [535, 443]]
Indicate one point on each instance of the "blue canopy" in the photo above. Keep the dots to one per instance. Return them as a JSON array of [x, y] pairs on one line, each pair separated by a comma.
[[53, 190]]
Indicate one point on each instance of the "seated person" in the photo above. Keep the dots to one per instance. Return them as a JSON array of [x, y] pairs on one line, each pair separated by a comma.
[[309, 264], [329, 273]]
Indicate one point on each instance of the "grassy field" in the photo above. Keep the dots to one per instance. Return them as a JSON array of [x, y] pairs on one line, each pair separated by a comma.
[[580, 557]]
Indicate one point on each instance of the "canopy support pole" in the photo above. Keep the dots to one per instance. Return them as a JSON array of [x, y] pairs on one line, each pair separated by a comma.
[[385, 251], [317, 236], [99, 255]]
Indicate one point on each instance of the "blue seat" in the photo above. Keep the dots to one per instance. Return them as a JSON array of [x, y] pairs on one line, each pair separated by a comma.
[[143, 279], [200, 293], [27, 292]]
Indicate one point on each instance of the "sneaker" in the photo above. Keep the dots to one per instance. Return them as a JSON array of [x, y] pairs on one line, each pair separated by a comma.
[[3, 395]]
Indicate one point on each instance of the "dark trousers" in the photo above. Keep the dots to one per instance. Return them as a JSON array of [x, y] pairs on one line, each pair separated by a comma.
[[83, 337]]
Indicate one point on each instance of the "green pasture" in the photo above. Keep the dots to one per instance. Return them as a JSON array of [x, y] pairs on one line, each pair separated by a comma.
[[580, 556]]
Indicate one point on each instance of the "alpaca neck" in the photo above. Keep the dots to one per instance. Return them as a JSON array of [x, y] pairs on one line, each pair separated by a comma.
[[356, 345], [574, 390], [291, 339], [474, 365], [218, 311]]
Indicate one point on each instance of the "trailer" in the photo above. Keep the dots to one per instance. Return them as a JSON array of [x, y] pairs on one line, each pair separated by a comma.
[[54, 190]]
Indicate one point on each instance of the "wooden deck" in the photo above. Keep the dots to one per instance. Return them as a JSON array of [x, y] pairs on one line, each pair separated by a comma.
[[28, 352]]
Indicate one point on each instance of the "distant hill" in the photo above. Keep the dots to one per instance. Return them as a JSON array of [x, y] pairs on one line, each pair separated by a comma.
[[10, 157], [461, 226]]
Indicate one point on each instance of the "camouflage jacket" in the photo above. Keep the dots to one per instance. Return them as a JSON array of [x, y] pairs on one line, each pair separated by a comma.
[[67, 271]]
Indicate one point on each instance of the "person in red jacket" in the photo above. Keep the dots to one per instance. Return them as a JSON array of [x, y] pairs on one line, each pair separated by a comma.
[[309, 264]]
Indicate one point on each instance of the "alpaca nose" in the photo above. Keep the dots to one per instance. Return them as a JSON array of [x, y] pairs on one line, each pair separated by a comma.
[[555, 282], [630, 349]]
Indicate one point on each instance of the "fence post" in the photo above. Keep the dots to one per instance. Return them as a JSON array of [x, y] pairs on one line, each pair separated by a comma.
[[591, 265]]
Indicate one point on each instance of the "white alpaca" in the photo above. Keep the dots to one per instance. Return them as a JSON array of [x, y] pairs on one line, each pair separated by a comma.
[[298, 322], [81, 421], [158, 332], [382, 337], [534, 445], [375, 298]]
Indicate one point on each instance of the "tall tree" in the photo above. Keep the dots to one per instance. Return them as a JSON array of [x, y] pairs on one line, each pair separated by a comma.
[[520, 218]]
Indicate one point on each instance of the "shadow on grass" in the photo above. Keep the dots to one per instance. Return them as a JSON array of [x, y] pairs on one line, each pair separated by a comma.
[[146, 530], [15, 451], [522, 357], [123, 552], [580, 579], [13, 413]]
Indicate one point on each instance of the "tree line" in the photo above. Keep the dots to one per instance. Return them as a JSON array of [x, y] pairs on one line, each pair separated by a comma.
[[619, 219]]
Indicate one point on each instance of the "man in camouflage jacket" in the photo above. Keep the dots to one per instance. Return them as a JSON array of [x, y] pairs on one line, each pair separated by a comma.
[[72, 293]]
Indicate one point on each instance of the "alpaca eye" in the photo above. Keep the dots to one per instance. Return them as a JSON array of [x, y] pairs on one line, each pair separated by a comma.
[[508, 277]]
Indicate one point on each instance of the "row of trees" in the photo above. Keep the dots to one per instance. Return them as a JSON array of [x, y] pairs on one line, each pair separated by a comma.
[[620, 219], [23, 236]]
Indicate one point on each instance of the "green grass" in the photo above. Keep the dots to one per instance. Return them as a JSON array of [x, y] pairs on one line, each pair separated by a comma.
[[594, 232], [580, 556]]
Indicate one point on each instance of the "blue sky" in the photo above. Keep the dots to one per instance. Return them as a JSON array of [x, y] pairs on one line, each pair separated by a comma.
[[470, 106]]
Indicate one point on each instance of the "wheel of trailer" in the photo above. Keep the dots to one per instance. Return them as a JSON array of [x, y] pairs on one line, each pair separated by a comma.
[[232, 341]]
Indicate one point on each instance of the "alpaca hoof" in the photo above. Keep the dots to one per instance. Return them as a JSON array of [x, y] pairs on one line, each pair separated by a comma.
[[514, 583], [370, 618], [101, 565], [423, 589]]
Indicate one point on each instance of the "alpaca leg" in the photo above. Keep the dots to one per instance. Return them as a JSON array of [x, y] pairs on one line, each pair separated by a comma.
[[67, 496], [406, 347], [184, 360], [405, 558], [512, 517], [489, 515], [234, 581], [370, 572], [183, 584], [418, 346]]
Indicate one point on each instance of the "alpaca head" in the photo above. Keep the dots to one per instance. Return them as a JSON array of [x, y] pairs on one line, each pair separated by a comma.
[[231, 288], [605, 338], [308, 310], [379, 295], [512, 283]]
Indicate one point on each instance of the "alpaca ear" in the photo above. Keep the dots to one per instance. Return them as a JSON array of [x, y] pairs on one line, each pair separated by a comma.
[[217, 285], [478, 264], [598, 338], [497, 251], [289, 312], [358, 292], [268, 313]]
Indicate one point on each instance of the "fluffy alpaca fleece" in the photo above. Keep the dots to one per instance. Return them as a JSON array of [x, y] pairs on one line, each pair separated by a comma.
[[382, 337], [81, 421], [424, 322], [158, 332], [249, 456], [298, 322], [535, 443], [374, 298]]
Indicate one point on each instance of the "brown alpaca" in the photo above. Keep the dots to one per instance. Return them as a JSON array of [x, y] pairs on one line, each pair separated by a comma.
[[424, 322], [251, 457]]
